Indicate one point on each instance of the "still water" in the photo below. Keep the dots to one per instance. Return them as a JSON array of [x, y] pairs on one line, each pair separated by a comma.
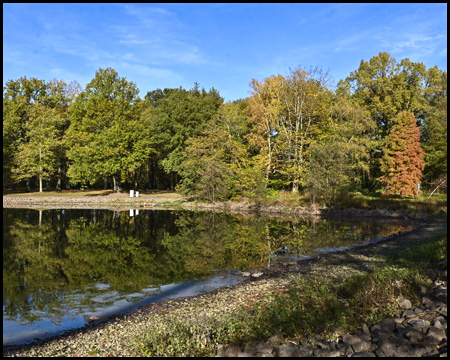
[[61, 267]]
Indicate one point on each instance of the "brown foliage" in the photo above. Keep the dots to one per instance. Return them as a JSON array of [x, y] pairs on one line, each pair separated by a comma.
[[403, 159]]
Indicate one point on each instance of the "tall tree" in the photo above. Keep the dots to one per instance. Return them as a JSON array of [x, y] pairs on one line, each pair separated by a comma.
[[180, 115], [38, 155], [402, 162], [385, 87], [217, 164], [434, 126], [339, 159], [19, 98], [107, 130], [287, 113]]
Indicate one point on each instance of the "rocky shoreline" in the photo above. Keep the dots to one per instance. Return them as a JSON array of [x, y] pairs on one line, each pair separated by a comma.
[[415, 331]]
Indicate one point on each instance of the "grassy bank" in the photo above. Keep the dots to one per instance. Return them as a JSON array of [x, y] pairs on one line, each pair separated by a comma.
[[308, 306]]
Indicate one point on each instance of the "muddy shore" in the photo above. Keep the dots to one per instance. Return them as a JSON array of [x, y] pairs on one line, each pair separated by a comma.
[[116, 336]]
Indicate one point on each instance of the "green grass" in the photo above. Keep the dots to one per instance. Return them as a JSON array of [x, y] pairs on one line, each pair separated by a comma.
[[310, 306]]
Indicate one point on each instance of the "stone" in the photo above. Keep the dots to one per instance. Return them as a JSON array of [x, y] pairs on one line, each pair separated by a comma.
[[287, 350], [404, 351], [387, 325], [228, 351], [304, 352], [349, 350], [440, 322], [349, 339], [408, 313], [415, 335], [246, 353], [380, 335], [423, 289], [323, 344], [387, 347], [365, 329], [405, 304], [339, 331], [380, 353], [322, 352], [428, 302], [436, 333], [361, 346], [264, 348], [257, 274], [364, 354], [419, 323]]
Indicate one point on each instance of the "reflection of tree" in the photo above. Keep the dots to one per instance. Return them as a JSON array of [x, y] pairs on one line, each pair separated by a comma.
[[46, 261]]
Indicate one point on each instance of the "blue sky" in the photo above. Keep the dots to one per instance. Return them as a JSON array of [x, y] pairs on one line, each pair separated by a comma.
[[223, 46]]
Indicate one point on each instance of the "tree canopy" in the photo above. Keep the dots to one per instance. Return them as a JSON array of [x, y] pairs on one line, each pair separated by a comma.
[[383, 127]]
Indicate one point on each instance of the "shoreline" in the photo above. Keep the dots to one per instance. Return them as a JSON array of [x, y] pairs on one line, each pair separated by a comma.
[[345, 262], [120, 202]]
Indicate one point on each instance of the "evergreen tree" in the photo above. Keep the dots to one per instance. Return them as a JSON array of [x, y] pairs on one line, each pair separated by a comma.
[[403, 159]]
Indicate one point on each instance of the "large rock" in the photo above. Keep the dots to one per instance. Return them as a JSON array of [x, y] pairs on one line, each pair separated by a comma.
[[405, 304], [287, 350], [349, 339], [228, 351]]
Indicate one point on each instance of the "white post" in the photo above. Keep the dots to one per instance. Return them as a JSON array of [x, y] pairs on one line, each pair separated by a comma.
[[137, 212], [137, 193], [131, 212], [131, 193]]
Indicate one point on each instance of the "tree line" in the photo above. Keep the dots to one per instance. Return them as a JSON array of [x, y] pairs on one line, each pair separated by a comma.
[[383, 127]]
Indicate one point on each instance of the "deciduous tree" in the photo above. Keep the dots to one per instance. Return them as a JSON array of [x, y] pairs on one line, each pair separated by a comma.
[[107, 135], [402, 162]]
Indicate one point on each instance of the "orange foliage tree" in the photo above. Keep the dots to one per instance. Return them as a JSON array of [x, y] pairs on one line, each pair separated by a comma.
[[403, 159]]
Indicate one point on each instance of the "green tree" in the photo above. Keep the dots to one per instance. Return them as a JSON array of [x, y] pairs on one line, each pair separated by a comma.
[[402, 162], [38, 155], [434, 127], [20, 98], [386, 87], [216, 163], [180, 115], [107, 136]]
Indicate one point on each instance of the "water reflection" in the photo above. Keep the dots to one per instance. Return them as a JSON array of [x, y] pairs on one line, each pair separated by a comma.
[[60, 267]]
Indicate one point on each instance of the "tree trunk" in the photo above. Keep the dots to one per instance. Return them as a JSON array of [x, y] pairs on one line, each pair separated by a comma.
[[295, 186], [116, 181], [40, 183]]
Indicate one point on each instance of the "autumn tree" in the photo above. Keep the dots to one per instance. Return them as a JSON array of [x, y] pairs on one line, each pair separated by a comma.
[[286, 114], [385, 87], [402, 162]]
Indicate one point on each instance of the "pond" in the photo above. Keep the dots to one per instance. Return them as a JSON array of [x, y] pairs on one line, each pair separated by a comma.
[[63, 267]]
